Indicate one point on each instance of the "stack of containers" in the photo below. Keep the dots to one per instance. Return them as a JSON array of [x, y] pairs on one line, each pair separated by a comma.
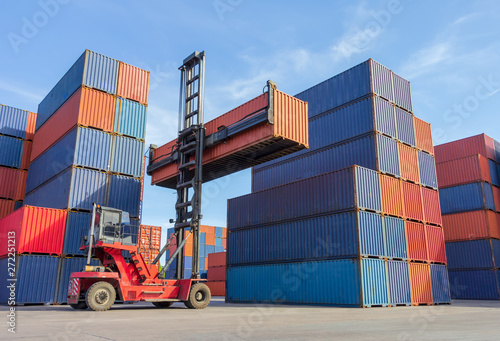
[[469, 183], [372, 231], [149, 242], [212, 240], [216, 273], [17, 127]]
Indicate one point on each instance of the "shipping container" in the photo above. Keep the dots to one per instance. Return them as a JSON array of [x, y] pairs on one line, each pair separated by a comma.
[[27, 148], [471, 225], [219, 232], [216, 273], [412, 199], [473, 254], [432, 210], [440, 284], [66, 267], [127, 156], [421, 286], [398, 276], [392, 196], [87, 107], [7, 206], [402, 92], [496, 197], [496, 144], [21, 185], [36, 279], [92, 70], [12, 183], [13, 121], [475, 284], [417, 241], [408, 161], [343, 282], [30, 129], [479, 144], [343, 235], [347, 189], [81, 147], [435, 244], [395, 238], [217, 288], [427, 170], [77, 226], [124, 194], [150, 237], [364, 79], [130, 118], [288, 133], [493, 172], [376, 152], [133, 83], [36, 230], [463, 171], [217, 259], [405, 127], [463, 198], [423, 135], [11, 151]]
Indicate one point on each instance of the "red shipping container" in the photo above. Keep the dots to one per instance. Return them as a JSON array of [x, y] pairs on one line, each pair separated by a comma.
[[435, 244], [423, 135], [288, 133], [392, 197], [217, 259], [217, 288], [421, 287], [471, 225], [30, 128], [479, 144], [25, 161], [6, 208], [417, 242], [216, 273], [496, 197], [150, 237], [224, 243], [36, 229], [21, 185], [86, 107], [133, 83], [463, 171], [432, 208], [412, 198], [408, 160], [9, 183]]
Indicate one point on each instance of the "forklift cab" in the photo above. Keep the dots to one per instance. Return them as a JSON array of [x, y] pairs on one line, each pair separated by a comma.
[[111, 225]]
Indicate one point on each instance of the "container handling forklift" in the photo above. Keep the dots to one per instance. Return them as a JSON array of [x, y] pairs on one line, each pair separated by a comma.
[[122, 274]]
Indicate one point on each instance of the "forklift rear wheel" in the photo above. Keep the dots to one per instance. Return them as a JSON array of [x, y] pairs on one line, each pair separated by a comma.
[[199, 297], [79, 306], [162, 304], [100, 296]]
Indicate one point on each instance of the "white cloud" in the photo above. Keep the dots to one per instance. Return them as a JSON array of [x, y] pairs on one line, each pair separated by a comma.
[[22, 91], [427, 59]]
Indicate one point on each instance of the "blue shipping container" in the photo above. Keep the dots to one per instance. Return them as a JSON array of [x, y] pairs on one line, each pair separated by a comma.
[[463, 198], [13, 121], [395, 238], [406, 129], [474, 284], [440, 284], [36, 279], [497, 150], [219, 249], [343, 235], [427, 169], [398, 276], [130, 118], [11, 151], [473, 254], [66, 267], [343, 282], [402, 92], [375, 152], [219, 232], [81, 147], [210, 249], [124, 194], [494, 173], [77, 225], [342, 190], [127, 156], [92, 70]]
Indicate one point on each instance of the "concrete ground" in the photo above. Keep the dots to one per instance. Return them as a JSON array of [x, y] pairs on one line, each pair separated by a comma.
[[463, 320]]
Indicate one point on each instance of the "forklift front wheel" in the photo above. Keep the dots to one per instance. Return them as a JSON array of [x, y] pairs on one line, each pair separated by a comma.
[[199, 297], [100, 296]]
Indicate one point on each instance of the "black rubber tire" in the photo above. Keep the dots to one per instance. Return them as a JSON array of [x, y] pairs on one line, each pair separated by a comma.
[[163, 304], [100, 296], [199, 297], [79, 306]]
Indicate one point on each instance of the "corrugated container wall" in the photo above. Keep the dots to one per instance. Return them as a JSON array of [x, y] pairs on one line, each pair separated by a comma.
[[405, 127], [471, 225], [417, 242], [124, 194], [13, 121], [423, 135], [470, 197], [66, 267], [475, 284], [427, 170], [408, 160], [395, 238], [133, 83], [392, 196], [130, 118], [462, 171], [398, 276], [440, 284], [473, 254], [421, 286], [479, 144], [77, 225], [6, 207], [11, 153], [127, 154], [412, 199], [402, 92]]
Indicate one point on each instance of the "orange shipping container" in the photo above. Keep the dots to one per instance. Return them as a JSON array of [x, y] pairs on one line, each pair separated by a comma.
[[30, 128], [86, 107], [463, 171], [21, 185], [216, 273], [217, 288], [287, 134], [133, 83], [421, 288], [210, 238], [423, 135], [496, 197], [432, 208], [408, 159], [150, 237], [6, 208], [25, 161], [412, 198], [435, 244], [392, 197], [471, 225], [217, 259], [417, 243]]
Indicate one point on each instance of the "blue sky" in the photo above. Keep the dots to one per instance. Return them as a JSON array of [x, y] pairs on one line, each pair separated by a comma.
[[449, 50]]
